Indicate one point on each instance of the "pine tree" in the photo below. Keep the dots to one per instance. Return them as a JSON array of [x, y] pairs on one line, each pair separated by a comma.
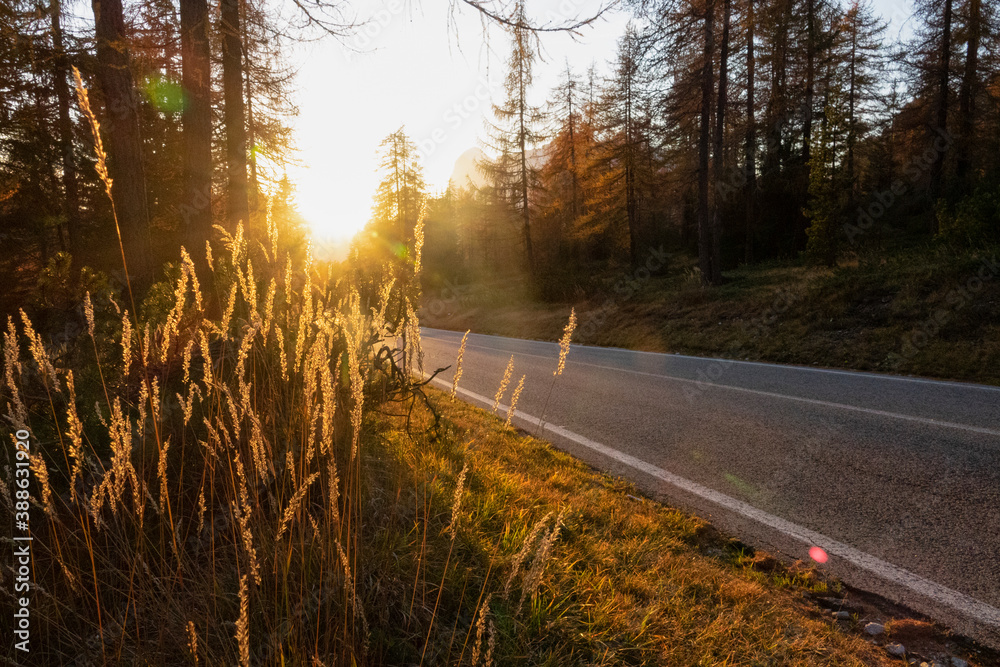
[[516, 131], [861, 47], [826, 187], [398, 199]]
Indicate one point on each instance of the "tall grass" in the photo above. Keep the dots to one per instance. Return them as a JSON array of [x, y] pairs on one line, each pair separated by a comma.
[[198, 480], [221, 457]]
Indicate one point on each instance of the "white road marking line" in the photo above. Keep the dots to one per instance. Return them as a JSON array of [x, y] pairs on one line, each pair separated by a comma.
[[978, 610], [809, 369], [812, 401]]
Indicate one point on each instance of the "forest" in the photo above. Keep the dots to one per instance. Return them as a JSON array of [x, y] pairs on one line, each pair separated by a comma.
[[223, 449], [738, 132]]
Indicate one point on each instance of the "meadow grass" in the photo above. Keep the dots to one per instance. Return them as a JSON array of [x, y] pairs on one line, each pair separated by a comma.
[[548, 562]]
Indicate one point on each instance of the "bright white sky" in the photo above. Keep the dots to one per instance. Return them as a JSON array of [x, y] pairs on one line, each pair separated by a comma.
[[413, 71]]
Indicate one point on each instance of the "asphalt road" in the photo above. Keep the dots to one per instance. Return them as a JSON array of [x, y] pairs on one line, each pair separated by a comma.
[[897, 479]]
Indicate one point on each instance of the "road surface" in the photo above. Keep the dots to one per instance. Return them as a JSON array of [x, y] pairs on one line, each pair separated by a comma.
[[897, 479]]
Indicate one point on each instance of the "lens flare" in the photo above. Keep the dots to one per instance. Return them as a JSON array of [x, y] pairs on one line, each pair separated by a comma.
[[818, 555], [165, 94]]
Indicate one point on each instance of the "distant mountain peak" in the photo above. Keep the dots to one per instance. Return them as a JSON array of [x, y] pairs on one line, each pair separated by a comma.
[[465, 173]]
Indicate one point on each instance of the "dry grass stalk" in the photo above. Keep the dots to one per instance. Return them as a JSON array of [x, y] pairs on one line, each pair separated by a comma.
[[161, 474], [41, 472], [415, 350], [503, 384], [564, 342], [38, 352], [484, 613], [243, 624], [458, 365], [243, 517], [75, 435], [227, 315], [188, 265], [358, 610], [101, 167], [192, 641], [513, 401], [186, 364], [269, 308], [456, 503], [523, 553], [418, 240], [88, 312], [534, 575], [491, 643], [334, 481], [293, 505], [16, 410], [201, 510], [112, 485], [206, 355], [272, 229]]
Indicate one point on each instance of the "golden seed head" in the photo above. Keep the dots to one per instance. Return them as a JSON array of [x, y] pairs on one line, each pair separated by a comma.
[[564, 342], [458, 365], [126, 343], [513, 401], [95, 129], [456, 503], [503, 384], [88, 311], [243, 624], [192, 641]]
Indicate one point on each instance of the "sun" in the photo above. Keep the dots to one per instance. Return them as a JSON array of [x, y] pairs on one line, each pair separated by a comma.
[[335, 205]]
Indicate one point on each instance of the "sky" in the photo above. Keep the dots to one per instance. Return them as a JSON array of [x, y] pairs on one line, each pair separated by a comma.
[[410, 67]]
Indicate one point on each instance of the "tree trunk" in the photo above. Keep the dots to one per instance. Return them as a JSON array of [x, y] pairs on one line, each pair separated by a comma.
[[124, 141], [852, 99], [776, 114], [525, 213], [235, 115], [704, 222], [967, 94], [631, 208], [937, 169], [810, 79], [70, 191], [251, 133], [750, 142], [522, 131], [720, 129], [197, 128]]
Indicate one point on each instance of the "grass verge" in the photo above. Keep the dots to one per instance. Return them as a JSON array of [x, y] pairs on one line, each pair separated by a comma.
[[624, 580]]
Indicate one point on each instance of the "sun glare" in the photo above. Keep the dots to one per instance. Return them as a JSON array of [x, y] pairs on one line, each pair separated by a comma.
[[335, 208]]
